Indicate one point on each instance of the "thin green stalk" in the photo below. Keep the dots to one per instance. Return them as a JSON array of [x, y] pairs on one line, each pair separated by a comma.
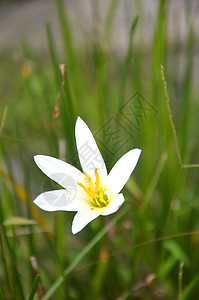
[[180, 280], [156, 240], [172, 124], [60, 240], [82, 254], [171, 116], [190, 166]]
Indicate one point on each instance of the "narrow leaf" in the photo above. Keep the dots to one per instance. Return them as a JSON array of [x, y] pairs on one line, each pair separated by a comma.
[[15, 220], [34, 287]]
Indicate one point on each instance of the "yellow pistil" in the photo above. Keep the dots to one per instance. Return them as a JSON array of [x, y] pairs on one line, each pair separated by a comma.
[[97, 195], [102, 198]]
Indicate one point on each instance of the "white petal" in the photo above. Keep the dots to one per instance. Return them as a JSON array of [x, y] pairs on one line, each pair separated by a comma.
[[122, 170], [89, 154], [82, 218], [59, 171], [114, 205], [61, 200]]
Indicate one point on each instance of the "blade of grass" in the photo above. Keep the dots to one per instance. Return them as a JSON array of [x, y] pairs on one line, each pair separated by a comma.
[[3, 120], [34, 270], [154, 180], [82, 254], [68, 113], [68, 116], [109, 19], [9, 255], [99, 274], [4, 269], [177, 251], [127, 61], [34, 287], [187, 104], [67, 105], [166, 266], [2, 295], [23, 196], [15, 220], [188, 289], [53, 54], [157, 56], [66, 33], [101, 50]]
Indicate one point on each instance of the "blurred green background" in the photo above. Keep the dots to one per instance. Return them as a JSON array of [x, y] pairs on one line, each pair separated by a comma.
[[113, 51]]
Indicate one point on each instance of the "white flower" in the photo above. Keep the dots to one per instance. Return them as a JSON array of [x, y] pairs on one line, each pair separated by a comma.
[[91, 193]]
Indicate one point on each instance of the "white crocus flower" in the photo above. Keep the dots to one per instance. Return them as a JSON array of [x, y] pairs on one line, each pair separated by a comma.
[[91, 193]]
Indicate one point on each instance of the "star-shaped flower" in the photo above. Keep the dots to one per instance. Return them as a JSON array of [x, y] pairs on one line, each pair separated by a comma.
[[91, 193]]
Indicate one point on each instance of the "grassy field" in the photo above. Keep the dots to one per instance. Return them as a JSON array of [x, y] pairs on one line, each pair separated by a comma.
[[142, 98]]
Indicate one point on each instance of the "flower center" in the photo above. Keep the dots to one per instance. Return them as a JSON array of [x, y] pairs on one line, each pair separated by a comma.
[[97, 194]]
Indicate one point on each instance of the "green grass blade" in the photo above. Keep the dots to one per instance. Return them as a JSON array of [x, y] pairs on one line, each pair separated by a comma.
[[177, 252], [154, 180], [189, 288], [109, 19], [187, 110], [127, 61], [53, 54], [34, 287], [66, 33], [2, 295]]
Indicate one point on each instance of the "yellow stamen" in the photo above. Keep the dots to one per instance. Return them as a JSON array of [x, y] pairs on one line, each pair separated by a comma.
[[98, 204], [98, 197], [87, 191], [97, 179], [90, 185]]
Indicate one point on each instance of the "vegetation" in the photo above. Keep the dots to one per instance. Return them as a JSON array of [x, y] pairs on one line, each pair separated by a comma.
[[149, 248]]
